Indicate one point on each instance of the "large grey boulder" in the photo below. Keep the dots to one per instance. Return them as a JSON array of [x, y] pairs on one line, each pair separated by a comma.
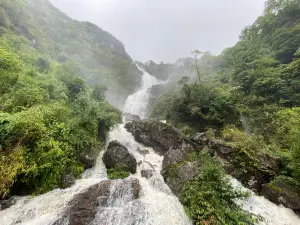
[[117, 155], [281, 193], [83, 208], [156, 134]]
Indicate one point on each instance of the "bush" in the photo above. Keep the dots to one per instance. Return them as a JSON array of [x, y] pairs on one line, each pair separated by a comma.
[[117, 173]]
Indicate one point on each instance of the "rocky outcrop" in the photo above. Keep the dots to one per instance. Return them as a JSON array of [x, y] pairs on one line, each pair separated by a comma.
[[83, 208], [178, 174], [155, 91], [183, 153], [156, 134], [68, 178], [252, 169], [117, 155], [88, 158], [131, 117], [147, 173], [281, 193]]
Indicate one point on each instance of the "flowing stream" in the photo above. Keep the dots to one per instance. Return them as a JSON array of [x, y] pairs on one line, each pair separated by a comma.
[[156, 204]]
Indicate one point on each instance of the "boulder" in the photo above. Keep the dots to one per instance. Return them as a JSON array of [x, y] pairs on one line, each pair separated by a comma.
[[143, 151], [68, 178], [147, 173], [281, 193], [82, 209], [117, 155], [156, 134], [88, 158], [131, 117]]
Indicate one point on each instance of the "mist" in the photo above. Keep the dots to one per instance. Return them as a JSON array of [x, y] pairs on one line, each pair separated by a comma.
[[167, 30]]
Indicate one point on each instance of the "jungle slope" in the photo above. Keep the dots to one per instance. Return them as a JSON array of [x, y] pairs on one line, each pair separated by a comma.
[[54, 72]]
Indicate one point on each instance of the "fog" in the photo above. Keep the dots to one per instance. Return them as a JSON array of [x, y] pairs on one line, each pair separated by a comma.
[[164, 30]]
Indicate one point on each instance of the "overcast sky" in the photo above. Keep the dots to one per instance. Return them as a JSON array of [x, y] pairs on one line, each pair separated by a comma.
[[165, 30]]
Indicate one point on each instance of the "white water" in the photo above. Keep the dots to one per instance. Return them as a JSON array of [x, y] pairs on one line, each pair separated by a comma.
[[137, 103], [156, 204]]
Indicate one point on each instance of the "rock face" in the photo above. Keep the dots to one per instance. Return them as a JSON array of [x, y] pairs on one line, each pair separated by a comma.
[[156, 90], [177, 175], [117, 155], [156, 134], [256, 170], [68, 178], [83, 208], [281, 193]]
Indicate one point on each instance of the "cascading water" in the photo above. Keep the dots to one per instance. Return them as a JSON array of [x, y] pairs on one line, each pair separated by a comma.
[[137, 103], [156, 204]]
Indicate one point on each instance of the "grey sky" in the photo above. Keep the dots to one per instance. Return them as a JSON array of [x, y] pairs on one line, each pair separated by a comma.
[[164, 30]]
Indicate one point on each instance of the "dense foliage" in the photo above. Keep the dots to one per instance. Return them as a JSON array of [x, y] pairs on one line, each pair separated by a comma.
[[249, 95], [50, 120], [211, 199], [253, 85]]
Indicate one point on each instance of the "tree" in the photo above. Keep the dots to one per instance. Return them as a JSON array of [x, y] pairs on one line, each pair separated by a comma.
[[99, 92]]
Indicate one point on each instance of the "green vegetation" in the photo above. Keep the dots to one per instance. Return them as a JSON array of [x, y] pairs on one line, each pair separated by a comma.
[[117, 173], [253, 85], [249, 97], [50, 119], [211, 199]]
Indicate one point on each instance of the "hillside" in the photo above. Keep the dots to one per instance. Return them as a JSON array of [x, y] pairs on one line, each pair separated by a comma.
[[55, 74], [247, 99], [99, 58]]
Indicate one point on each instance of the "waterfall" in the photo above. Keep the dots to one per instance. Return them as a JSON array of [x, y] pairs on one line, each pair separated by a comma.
[[136, 103], [156, 204]]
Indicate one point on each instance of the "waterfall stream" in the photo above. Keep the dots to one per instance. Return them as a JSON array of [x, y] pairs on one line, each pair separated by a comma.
[[156, 204]]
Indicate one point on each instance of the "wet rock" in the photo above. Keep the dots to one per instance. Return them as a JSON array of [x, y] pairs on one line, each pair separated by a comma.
[[178, 174], [252, 169], [68, 178], [88, 158], [5, 204], [147, 173], [131, 117], [156, 134], [143, 151], [117, 155], [155, 91], [175, 155], [281, 193], [82, 209]]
